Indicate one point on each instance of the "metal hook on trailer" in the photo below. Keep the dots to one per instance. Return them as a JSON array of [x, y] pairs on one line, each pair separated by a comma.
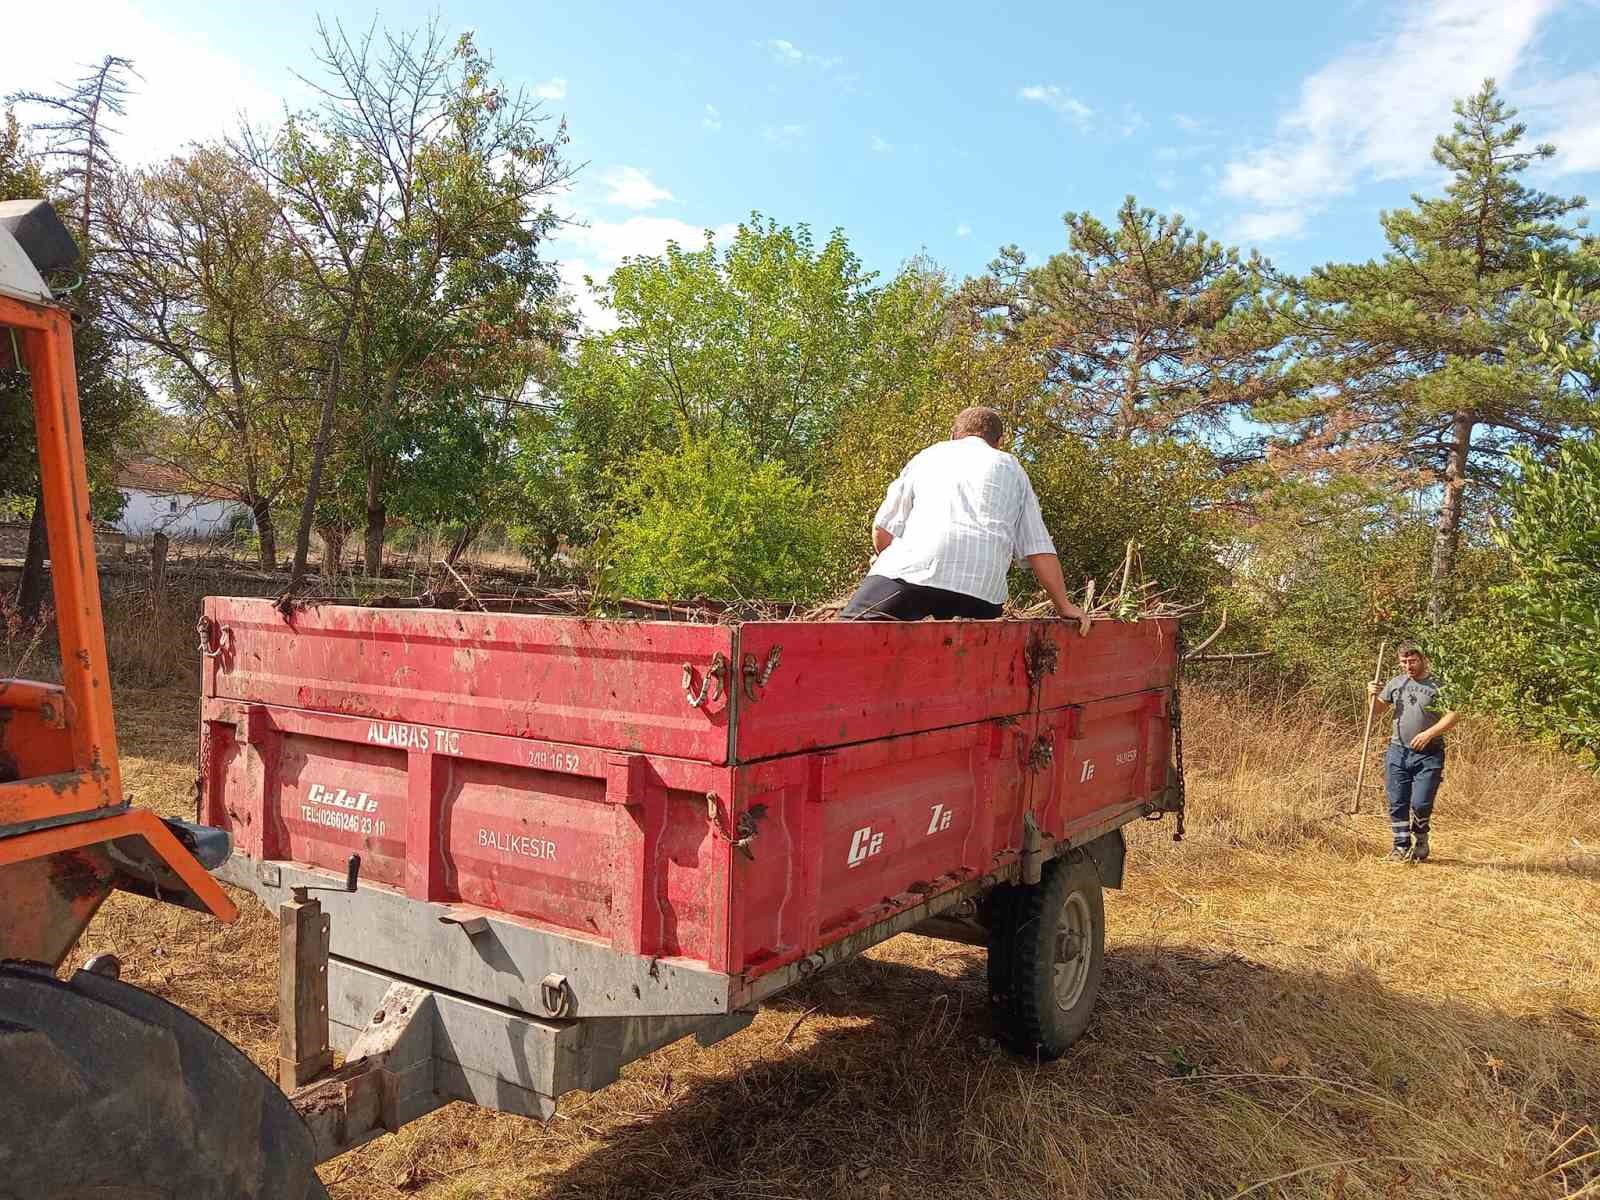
[[205, 627], [757, 676], [711, 687]]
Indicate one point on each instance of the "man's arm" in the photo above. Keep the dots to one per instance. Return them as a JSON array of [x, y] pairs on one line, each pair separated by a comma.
[[1437, 730], [890, 519], [1375, 690], [1047, 570]]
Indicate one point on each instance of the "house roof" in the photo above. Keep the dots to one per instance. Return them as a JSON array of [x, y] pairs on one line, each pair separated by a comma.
[[145, 473]]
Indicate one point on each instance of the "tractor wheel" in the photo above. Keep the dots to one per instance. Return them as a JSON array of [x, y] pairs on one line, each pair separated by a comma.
[[1046, 956], [108, 1091]]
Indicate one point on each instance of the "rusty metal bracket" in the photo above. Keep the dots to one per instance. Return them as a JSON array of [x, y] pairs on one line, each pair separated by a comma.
[[748, 827], [711, 686], [1042, 656], [210, 631], [1042, 753], [757, 676]]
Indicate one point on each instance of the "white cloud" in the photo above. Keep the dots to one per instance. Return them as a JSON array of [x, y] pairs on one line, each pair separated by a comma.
[[166, 111], [879, 145], [1052, 97], [1189, 124], [1274, 225], [1372, 113], [600, 247], [712, 119], [786, 52], [1131, 121], [632, 187], [963, 230], [1567, 111], [551, 89], [783, 135]]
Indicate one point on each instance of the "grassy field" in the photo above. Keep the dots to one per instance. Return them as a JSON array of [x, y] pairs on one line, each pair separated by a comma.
[[1283, 1015]]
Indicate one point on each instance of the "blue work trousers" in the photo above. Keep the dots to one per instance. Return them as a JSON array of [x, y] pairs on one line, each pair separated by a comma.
[[1412, 779]]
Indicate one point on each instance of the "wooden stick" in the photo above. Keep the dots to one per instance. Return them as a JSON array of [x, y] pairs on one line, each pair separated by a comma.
[[1212, 638], [1366, 738], [472, 595]]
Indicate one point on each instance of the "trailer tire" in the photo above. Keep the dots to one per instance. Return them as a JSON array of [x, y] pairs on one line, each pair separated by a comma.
[[107, 1090], [999, 910], [1047, 955]]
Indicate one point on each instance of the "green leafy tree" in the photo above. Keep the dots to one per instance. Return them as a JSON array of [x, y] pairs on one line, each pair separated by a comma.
[[1416, 371], [710, 519], [765, 337], [206, 286], [1533, 653], [416, 196], [787, 345], [1570, 341]]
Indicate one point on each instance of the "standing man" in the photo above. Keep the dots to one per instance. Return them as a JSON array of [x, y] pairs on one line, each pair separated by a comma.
[[949, 529], [1414, 764]]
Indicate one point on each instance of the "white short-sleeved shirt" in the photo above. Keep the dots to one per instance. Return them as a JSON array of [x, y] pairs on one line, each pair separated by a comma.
[[961, 512]]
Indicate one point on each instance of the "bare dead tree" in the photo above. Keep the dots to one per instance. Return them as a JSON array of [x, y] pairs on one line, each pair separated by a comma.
[[77, 130]]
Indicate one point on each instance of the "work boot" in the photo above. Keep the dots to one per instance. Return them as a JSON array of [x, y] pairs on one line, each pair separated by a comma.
[[1400, 854], [1419, 846]]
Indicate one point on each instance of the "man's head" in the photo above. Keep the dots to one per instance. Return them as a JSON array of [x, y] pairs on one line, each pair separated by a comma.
[[1412, 660], [978, 422]]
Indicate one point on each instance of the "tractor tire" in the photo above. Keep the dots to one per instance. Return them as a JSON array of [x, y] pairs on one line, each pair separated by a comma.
[[1046, 958], [109, 1092]]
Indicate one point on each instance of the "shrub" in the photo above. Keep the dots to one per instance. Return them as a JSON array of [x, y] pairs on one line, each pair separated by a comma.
[[709, 520], [1533, 652]]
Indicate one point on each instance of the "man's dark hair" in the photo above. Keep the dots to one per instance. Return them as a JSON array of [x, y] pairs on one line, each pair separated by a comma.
[[1412, 648], [984, 422]]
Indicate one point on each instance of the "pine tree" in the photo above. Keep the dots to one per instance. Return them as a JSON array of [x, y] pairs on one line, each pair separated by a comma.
[[1146, 327], [1420, 370]]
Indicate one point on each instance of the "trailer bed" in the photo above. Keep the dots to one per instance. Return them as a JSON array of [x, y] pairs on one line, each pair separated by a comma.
[[670, 817]]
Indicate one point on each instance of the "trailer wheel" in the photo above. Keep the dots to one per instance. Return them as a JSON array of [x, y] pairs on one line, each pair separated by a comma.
[[108, 1091], [1047, 954]]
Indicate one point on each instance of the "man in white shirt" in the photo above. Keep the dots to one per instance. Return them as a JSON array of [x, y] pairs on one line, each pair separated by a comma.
[[949, 530]]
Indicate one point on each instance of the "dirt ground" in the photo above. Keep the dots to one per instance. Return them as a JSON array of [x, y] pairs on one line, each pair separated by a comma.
[[1282, 1014]]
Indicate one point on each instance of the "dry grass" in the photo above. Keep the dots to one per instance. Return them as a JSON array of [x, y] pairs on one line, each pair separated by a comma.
[[1282, 1015]]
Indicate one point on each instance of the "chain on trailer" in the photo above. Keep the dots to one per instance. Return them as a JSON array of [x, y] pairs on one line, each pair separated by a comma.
[[1178, 803]]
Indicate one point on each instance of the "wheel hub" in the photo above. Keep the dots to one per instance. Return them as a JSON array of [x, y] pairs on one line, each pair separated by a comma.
[[1072, 952]]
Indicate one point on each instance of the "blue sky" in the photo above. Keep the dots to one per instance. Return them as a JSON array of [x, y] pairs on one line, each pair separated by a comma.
[[928, 127]]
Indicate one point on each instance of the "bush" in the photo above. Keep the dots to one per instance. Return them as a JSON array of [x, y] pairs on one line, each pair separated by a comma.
[[1533, 652], [1098, 496], [709, 520], [1328, 573]]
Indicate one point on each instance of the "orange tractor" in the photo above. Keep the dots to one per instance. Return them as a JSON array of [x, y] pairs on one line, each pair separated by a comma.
[[105, 1089]]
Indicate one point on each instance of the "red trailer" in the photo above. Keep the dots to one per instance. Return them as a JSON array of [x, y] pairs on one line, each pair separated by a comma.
[[567, 842]]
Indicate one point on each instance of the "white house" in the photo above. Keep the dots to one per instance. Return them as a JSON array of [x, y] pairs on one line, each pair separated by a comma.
[[159, 499]]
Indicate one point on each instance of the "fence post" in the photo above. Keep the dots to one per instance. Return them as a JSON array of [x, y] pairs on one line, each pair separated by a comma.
[[158, 568]]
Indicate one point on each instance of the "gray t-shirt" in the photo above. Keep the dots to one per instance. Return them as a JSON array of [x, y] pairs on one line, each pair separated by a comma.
[[1416, 707]]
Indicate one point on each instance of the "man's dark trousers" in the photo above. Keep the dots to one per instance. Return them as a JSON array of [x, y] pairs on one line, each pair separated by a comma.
[[880, 599], [1412, 778]]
